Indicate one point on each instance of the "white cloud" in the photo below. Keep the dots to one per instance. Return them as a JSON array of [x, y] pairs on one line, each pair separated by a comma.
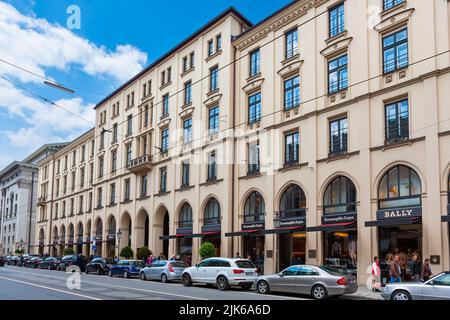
[[36, 44]]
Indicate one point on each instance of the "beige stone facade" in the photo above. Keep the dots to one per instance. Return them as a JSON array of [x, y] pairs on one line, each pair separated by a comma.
[[323, 94]]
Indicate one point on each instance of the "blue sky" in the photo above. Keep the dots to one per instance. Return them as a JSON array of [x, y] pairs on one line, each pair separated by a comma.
[[116, 40]]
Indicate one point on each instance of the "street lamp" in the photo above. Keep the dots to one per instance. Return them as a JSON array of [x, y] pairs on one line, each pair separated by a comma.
[[119, 235]]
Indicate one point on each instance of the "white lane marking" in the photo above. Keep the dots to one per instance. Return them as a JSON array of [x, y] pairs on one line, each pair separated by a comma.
[[121, 287], [52, 289]]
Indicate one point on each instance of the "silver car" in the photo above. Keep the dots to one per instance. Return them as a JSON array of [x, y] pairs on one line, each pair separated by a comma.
[[163, 270], [437, 288], [318, 282]]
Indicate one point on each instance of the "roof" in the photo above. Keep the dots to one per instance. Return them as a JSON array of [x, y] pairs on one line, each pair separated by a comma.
[[46, 147], [230, 10]]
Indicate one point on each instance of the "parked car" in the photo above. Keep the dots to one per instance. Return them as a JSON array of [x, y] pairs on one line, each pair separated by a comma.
[[318, 282], [223, 272], [73, 260], [126, 268], [50, 263], [163, 270], [99, 266], [437, 288], [2, 261], [34, 262], [12, 260]]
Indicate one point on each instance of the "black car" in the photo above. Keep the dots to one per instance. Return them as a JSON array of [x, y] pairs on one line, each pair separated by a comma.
[[73, 260], [34, 262], [99, 266], [50, 263], [2, 261]]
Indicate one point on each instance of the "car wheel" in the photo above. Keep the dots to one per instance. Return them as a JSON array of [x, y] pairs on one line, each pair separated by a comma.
[[319, 292], [401, 295], [98, 272], [142, 276], [246, 286], [263, 287], [126, 275], [164, 278], [49, 267], [187, 281], [222, 283]]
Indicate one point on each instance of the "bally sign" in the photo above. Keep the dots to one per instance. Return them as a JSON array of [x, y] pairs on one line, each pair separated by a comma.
[[399, 213]]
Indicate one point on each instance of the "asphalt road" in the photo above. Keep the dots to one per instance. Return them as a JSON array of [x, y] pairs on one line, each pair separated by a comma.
[[34, 284]]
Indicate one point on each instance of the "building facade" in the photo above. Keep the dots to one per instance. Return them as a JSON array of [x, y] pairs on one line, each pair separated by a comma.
[[18, 197], [319, 135]]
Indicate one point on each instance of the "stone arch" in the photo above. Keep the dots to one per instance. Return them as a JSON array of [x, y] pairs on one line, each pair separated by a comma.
[[142, 228], [284, 188], [161, 228]]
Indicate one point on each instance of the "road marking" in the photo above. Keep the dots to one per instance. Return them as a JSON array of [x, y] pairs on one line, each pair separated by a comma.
[[52, 289]]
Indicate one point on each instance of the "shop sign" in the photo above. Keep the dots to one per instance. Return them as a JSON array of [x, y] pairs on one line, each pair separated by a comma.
[[312, 254], [399, 213], [295, 222], [253, 225], [337, 218]]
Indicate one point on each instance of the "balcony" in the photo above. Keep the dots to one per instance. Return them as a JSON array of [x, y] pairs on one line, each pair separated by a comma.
[[41, 201], [142, 164]]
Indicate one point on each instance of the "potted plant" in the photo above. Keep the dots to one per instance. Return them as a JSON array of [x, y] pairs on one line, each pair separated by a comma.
[[207, 250], [143, 253], [68, 251], [127, 253]]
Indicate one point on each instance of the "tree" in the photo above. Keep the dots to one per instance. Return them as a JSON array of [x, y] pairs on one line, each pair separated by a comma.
[[68, 251], [127, 253], [143, 253], [207, 250], [19, 251]]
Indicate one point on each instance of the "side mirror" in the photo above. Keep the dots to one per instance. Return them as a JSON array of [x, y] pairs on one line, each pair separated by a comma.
[[280, 274], [196, 265]]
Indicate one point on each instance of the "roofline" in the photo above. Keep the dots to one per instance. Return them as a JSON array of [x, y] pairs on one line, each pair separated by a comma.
[[43, 148], [230, 10], [14, 165]]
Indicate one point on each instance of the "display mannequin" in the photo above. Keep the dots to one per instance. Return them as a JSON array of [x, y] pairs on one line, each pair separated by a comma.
[[336, 249], [352, 251]]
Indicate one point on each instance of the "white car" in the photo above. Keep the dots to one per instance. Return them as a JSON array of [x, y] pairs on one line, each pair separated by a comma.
[[223, 272]]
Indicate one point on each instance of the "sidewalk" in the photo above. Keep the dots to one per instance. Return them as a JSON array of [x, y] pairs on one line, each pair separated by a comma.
[[365, 293]]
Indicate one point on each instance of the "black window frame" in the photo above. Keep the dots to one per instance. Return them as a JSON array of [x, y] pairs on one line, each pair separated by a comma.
[[211, 215], [401, 131], [395, 45], [290, 86], [255, 62], [340, 70], [254, 211], [291, 210], [339, 19], [342, 142], [350, 196], [254, 107], [185, 216], [292, 157]]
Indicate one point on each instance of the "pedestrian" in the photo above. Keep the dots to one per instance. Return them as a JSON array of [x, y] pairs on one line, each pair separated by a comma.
[[395, 271], [150, 260], [238, 256], [416, 268], [426, 270], [376, 273], [178, 258]]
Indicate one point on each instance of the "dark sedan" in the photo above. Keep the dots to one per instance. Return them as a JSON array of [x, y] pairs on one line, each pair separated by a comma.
[[72, 260], [50, 263], [99, 266], [34, 262]]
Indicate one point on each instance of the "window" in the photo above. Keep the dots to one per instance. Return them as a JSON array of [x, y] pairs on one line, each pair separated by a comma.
[[338, 74], [74, 158], [212, 212], [218, 43], [163, 77], [100, 166], [253, 158], [143, 186], [293, 202], [291, 148], [165, 140], [338, 136], [162, 180], [254, 108], [83, 153], [192, 59], [169, 74], [187, 93], [400, 187], [292, 93], [90, 202], [210, 48], [112, 195], [165, 105], [129, 124], [213, 79], [82, 176], [113, 161], [73, 181], [340, 196], [115, 133], [80, 204], [185, 174], [291, 43], [185, 216], [388, 4], [337, 20], [395, 51], [185, 63], [212, 169], [144, 90], [146, 113], [129, 153], [254, 209], [99, 198], [255, 62], [213, 124], [126, 194], [187, 130], [397, 124]]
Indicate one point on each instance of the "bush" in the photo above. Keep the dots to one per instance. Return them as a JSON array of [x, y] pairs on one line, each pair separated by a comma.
[[68, 251], [127, 253], [19, 251], [207, 250], [143, 253]]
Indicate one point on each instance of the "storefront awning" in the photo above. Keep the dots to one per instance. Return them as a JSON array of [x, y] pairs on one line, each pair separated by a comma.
[[242, 233], [393, 222], [284, 230], [446, 218], [168, 237], [341, 226], [204, 234]]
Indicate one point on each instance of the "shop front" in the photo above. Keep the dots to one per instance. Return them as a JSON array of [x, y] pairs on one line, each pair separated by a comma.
[[111, 245], [399, 221]]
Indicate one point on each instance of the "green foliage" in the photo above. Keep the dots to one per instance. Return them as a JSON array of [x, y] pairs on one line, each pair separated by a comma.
[[207, 250], [19, 251], [143, 253], [68, 251], [127, 253]]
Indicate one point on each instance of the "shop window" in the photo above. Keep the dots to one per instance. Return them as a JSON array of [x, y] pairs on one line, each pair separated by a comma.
[[340, 196], [293, 202], [186, 216], [400, 187], [254, 209], [212, 212]]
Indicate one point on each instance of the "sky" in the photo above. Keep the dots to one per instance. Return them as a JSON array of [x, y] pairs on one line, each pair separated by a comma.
[[112, 41]]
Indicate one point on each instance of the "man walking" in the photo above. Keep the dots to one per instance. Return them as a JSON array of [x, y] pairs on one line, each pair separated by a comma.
[[394, 270]]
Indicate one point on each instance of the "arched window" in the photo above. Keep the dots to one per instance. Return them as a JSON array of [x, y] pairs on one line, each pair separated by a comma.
[[99, 229], [63, 235], [185, 216], [41, 236], [212, 212], [112, 226], [293, 202], [340, 196], [80, 232], [255, 208], [71, 232], [399, 187]]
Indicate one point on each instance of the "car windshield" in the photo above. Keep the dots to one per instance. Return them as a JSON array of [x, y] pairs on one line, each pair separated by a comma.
[[245, 264], [333, 271], [137, 263]]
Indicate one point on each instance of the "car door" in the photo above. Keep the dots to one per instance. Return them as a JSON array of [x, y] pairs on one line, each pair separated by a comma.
[[285, 281], [307, 277], [198, 273], [215, 266], [437, 289]]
